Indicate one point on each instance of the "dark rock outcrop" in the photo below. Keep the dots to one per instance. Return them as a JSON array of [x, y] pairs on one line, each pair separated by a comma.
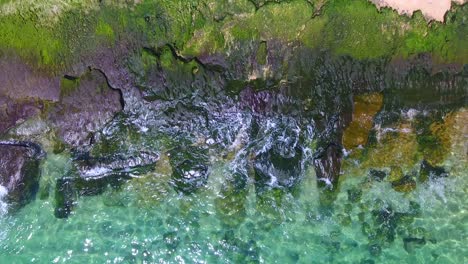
[[405, 184], [19, 170]]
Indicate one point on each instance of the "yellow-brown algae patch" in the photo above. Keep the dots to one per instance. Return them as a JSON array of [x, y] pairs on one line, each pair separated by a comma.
[[366, 106]]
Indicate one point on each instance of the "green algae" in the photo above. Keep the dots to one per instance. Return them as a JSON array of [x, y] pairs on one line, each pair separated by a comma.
[[355, 28], [105, 30], [31, 42], [68, 85], [358, 29], [262, 53], [280, 21]]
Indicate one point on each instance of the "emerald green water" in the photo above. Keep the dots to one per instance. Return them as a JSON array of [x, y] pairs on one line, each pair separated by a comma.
[[148, 222]]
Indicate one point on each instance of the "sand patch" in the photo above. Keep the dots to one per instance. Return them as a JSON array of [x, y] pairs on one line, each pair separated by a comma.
[[431, 9]]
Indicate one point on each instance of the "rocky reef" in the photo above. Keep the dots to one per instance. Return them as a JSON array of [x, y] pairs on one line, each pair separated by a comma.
[[129, 91]]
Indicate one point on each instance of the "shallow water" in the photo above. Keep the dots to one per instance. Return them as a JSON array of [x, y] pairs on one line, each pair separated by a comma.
[[158, 225]]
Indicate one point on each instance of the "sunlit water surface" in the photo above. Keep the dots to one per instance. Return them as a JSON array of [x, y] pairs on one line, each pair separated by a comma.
[[161, 226]]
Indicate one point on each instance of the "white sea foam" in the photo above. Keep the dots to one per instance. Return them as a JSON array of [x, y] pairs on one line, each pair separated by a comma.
[[3, 204], [96, 172]]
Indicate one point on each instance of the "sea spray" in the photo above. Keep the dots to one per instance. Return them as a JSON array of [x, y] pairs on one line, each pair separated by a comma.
[[3, 204]]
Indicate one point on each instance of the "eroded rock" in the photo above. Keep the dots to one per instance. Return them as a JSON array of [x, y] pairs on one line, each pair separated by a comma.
[[87, 103], [14, 111]]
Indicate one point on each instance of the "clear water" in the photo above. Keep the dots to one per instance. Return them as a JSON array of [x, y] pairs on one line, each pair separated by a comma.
[[148, 222]]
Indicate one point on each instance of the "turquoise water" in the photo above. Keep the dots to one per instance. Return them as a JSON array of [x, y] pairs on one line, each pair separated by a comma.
[[148, 222]]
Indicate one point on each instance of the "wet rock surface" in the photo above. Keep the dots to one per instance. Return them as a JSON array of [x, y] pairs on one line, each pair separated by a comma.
[[190, 168], [89, 167], [273, 168], [19, 170]]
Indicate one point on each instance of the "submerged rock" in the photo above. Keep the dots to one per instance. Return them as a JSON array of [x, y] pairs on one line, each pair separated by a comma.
[[377, 175], [172, 240], [411, 243], [230, 205], [354, 195], [69, 189], [375, 249], [65, 197], [189, 168], [95, 175]]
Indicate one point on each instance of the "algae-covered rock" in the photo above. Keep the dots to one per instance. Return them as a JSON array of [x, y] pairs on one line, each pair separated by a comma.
[[396, 173], [404, 184], [396, 148], [230, 206], [434, 139], [377, 175]]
